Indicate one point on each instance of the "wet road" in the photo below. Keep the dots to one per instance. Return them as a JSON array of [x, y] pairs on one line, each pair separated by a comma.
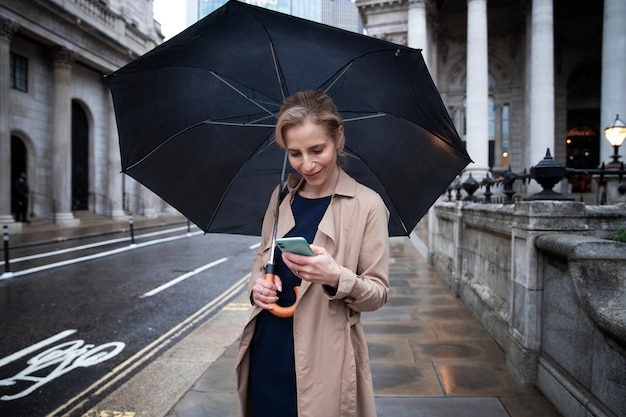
[[73, 331]]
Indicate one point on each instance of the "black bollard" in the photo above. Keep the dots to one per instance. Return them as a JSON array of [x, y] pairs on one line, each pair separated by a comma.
[[5, 237], [132, 232]]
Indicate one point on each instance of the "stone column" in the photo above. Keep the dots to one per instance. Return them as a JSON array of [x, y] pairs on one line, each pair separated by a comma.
[[458, 118], [613, 69], [417, 31], [542, 131], [115, 189], [149, 199], [477, 87], [7, 30], [62, 138]]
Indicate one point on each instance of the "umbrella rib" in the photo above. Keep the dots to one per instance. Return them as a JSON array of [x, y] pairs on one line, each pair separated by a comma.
[[208, 121], [277, 69], [343, 71], [371, 116], [242, 94], [354, 155], [214, 122]]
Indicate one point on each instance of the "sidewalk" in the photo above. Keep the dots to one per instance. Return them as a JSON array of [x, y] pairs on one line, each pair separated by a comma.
[[40, 231], [430, 356]]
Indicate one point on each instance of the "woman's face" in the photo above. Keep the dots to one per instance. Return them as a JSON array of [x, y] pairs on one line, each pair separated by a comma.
[[313, 154]]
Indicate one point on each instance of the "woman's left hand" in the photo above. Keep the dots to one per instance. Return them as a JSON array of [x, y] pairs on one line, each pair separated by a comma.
[[319, 269]]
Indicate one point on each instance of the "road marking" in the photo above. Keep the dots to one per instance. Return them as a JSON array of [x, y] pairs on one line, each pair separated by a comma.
[[55, 362], [238, 307], [92, 245], [99, 255], [128, 367], [183, 277], [36, 347]]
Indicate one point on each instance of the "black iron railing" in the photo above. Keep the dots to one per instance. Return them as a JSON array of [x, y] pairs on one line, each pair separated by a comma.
[[546, 173]]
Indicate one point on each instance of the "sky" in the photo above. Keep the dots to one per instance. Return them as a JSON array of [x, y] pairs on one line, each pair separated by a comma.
[[171, 15]]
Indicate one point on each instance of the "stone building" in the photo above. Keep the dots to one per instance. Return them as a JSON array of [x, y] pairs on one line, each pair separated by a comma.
[[56, 115], [519, 77]]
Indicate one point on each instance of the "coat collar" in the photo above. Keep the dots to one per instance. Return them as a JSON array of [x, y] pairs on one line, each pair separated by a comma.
[[346, 185]]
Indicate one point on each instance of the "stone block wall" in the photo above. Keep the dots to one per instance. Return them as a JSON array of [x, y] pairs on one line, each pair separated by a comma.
[[582, 362], [492, 259]]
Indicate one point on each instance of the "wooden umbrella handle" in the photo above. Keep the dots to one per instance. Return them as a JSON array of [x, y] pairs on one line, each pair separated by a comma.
[[280, 311]]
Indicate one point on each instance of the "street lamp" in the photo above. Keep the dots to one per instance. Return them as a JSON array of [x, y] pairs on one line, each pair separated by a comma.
[[615, 134]]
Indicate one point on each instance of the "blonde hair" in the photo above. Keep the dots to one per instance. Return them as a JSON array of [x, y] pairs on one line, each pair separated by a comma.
[[313, 105]]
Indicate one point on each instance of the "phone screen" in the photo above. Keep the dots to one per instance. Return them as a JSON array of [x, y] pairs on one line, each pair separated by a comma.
[[297, 245]]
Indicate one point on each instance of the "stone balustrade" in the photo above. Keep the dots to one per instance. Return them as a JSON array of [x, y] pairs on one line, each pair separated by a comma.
[[550, 289]]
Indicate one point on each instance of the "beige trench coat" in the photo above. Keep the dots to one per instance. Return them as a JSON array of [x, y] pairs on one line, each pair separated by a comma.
[[333, 374]]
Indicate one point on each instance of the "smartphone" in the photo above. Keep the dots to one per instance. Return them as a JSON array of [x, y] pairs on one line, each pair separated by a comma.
[[297, 245]]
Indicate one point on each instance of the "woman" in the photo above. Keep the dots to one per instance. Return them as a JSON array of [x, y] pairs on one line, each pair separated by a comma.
[[315, 363]]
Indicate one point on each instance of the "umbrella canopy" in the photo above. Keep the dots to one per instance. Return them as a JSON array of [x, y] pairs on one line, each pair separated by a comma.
[[196, 116]]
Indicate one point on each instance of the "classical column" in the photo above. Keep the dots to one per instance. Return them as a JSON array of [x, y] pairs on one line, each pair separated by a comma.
[[613, 69], [541, 51], [149, 199], [7, 30], [62, 138], [417, 33], [477, 87], [115, 189]]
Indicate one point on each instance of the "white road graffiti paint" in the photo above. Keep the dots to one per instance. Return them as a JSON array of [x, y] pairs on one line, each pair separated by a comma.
[[55, 362]]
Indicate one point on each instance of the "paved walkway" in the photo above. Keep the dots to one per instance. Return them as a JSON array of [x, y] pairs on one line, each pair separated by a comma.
[[430, 356]]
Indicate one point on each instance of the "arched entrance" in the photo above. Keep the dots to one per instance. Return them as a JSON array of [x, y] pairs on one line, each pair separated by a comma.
[[583, 122], [583, 152], [80, 158], [19, 164]]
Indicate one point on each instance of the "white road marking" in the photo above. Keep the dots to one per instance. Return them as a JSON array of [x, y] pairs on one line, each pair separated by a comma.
[[92, 245], [98, 255], [36, 347], [138, 359], [183, 277]]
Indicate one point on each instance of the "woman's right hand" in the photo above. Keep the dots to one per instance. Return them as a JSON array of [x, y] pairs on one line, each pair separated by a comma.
[[265, 293]]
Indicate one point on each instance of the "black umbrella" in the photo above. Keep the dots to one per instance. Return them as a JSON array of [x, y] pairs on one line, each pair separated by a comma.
[[196, 116]]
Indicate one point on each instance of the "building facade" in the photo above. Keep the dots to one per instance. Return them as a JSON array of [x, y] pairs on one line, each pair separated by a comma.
[[339, 13], [57, 123], [519, 77]]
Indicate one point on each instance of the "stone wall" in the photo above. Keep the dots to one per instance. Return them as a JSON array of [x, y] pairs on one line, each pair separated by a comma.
[[496, 259], [582, 362], [68, 45]]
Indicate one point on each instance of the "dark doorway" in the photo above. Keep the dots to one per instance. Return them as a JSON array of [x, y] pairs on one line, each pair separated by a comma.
[[18, 165], [583, 123], [80, 158], [583, 146]]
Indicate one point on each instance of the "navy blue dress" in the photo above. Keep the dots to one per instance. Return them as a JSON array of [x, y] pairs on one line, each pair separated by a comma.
[[272, 363]]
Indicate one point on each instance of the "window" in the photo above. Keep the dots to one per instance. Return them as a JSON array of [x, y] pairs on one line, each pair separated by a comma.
[[19, 72], [505, 127], [505, 135]]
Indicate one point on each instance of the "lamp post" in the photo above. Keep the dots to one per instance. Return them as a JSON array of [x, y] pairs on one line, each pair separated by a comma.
[[615, 134]]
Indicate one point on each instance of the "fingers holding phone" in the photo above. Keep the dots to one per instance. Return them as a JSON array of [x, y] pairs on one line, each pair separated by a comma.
[[320, 268]]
